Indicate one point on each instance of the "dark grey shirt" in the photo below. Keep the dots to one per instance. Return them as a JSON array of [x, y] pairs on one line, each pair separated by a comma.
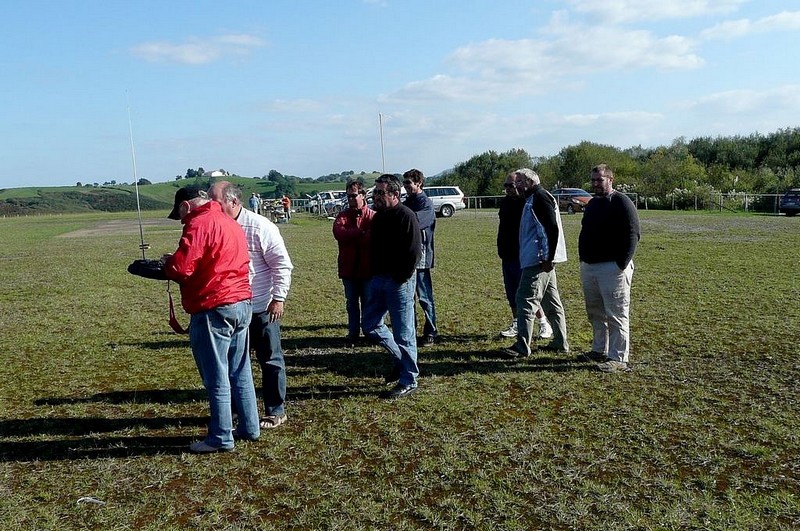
[[609, 230]]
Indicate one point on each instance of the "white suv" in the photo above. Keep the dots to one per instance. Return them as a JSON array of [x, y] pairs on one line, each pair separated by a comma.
[[446, 199]]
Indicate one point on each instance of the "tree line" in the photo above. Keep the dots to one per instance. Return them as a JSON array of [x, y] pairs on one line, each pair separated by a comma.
[[755, 164]]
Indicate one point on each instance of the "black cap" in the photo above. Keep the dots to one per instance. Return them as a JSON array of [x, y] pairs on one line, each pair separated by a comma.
[[187, 193]]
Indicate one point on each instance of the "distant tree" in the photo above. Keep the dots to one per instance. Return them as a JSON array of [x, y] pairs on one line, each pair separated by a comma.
[[143, 181], [484, 174], [78, 184], [274, 176]]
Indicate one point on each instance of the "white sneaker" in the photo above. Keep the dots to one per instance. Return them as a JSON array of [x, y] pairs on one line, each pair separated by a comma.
[[545, 330], [511, 331]]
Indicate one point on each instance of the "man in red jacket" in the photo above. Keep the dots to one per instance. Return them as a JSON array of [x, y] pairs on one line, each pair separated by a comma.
[[351, 228], [211, 267]]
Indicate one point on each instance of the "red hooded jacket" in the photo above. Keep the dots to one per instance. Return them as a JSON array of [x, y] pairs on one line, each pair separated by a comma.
[[351, 228], [211, 263]]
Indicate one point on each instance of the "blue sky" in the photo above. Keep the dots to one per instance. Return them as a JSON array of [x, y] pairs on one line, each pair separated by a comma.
[[297, 86]]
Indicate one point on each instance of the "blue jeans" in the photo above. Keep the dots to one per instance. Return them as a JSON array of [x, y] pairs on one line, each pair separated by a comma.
[[265, 339], [386, 295], [219, 344], [356, 293], [425, 295], [512, 272]]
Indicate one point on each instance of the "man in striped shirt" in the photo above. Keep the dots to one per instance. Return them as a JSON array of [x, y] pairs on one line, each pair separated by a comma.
[[270, 278]]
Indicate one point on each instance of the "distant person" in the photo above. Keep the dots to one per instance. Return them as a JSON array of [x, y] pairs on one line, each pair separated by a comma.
[[541, 246], [395, 247], [422, 206], [254, 203], [287, 206], [510, 214], [606, 245], [351, 229], [211, 267], [270, 277]]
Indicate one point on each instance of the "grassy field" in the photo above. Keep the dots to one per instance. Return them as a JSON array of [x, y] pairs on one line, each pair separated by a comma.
[[98, 399]]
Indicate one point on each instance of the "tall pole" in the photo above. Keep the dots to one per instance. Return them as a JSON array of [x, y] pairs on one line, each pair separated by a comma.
[[383, 157], [143, 246]]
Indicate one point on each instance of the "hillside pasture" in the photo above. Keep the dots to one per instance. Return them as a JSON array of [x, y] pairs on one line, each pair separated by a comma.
[[99, 399]]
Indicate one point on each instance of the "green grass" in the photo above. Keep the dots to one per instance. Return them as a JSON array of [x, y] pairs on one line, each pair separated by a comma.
[[98, 398]]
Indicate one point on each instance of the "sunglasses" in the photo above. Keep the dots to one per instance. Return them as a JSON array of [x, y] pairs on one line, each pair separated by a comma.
[[379, 192]]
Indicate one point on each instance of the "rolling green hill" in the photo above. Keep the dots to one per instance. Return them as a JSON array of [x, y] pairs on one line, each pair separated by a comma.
[[122, 198]]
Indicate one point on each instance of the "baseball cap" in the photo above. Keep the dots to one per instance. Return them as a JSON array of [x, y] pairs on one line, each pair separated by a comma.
[[187, 193]]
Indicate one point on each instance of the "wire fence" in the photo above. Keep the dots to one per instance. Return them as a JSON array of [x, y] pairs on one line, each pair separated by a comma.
[[732, 202]]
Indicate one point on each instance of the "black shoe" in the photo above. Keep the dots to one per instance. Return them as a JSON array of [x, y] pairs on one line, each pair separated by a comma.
[[512, 353], [427, 340], [399, 391], [392, 376], [592, 356]]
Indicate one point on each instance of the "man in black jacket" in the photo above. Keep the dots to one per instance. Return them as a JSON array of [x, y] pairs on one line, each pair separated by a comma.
[[608, 239], [395, 249], [422, 206]]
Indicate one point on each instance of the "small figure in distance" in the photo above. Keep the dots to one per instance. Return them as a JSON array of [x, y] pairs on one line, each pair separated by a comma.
[[286, 202]]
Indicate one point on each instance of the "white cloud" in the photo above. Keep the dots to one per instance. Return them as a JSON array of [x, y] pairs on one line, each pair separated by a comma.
[[626, 11], [496, 69], [731, 29], [197, 51], [783, 100]]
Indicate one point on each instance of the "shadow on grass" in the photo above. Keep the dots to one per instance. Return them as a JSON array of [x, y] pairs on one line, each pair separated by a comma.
[[93, 448], [373, 362], [342, 343], [147, 396], [77, 426]]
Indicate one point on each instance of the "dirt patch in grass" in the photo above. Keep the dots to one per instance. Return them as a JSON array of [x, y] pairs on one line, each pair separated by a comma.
[[120, 226]]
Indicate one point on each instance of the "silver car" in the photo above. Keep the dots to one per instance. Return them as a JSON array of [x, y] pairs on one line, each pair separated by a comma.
[[446, 199]]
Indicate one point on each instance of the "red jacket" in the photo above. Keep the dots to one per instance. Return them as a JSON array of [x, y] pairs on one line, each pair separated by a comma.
[[351, 228], [211, 263]]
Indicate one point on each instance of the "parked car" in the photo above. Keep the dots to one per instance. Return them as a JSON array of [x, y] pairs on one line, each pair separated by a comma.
[[327, 202], [446, 199], [790, 202], [571, 200]]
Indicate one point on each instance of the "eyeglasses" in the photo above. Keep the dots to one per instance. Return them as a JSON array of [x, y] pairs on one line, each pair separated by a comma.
[[597, 179], [509, 185], [352, 196], [379, 192]]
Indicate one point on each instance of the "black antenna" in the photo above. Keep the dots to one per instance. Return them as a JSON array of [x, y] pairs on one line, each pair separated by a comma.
[[143, 246]]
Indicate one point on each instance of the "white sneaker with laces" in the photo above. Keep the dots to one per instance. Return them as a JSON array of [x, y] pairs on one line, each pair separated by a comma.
[[545, 330], [511, 331]]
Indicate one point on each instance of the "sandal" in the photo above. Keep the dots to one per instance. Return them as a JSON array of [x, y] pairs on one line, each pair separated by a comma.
[[272, 421]]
